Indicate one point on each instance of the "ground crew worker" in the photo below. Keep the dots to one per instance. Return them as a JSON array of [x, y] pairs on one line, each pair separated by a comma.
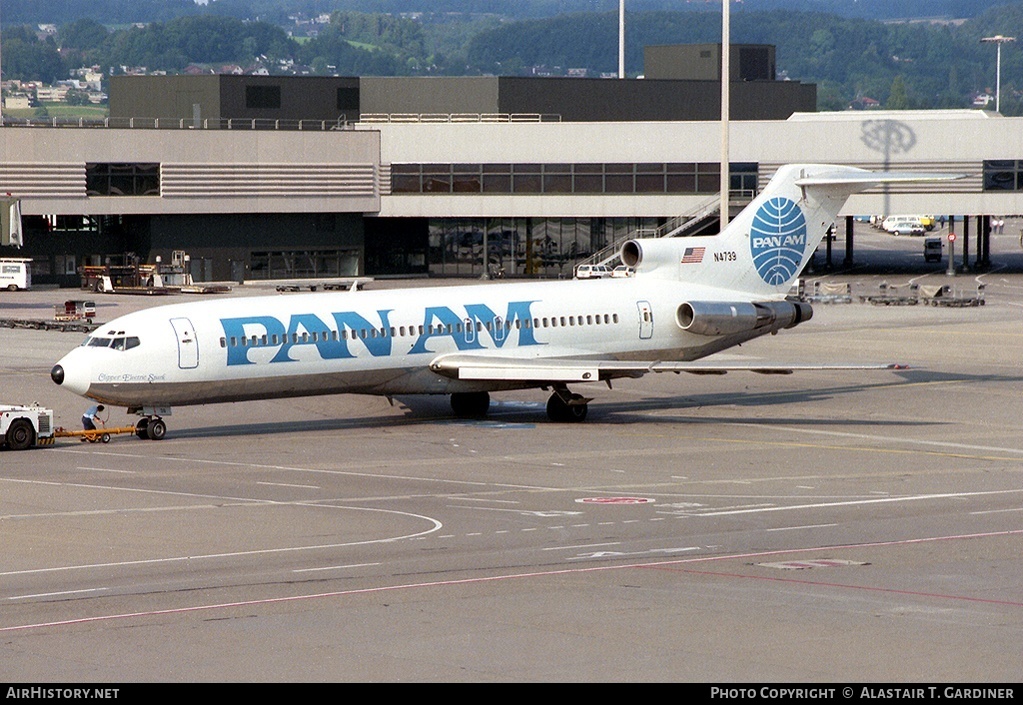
[[90, 417]]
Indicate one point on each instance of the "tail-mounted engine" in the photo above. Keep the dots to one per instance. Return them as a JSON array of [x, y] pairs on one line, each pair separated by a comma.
[[725, 318], [648, 254]]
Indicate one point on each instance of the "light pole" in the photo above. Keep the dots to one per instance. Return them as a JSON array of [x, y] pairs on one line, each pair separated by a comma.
[[621, 38], [1, 85], [998, 40], [725, 76]]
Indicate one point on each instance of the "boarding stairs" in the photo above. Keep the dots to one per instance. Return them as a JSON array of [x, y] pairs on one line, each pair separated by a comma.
[[679, 226]]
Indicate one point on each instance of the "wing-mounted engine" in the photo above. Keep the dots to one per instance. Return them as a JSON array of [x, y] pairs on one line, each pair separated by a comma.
[[730, 318]]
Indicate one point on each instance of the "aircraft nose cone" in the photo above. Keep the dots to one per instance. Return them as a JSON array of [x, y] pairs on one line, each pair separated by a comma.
[[72, 372]]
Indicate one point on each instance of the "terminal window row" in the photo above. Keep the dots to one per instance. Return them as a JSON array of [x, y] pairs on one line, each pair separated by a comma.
[[1003, 174], [122, 179], [468, 326], [306, 263], [143, 179], [621, 178]]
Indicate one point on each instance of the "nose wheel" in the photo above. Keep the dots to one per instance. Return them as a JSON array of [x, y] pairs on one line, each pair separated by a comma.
[[151, 428]]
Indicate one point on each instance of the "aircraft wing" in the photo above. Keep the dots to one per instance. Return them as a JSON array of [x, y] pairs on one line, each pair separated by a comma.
[[552, 370]]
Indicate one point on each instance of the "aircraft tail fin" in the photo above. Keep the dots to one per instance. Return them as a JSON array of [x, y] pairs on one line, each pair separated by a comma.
[[765, 247]]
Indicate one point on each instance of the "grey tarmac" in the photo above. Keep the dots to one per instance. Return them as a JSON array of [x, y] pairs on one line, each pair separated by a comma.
[[823, 526]]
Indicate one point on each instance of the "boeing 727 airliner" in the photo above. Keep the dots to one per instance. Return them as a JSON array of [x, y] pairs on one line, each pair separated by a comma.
[[690, 297]]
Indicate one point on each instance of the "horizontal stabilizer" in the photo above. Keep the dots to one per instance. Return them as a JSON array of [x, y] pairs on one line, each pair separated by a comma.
[[848, 181], [873, 178]]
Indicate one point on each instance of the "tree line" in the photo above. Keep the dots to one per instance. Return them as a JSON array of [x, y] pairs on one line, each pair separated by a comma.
[[902, 65], [114, 12], [937, 65]]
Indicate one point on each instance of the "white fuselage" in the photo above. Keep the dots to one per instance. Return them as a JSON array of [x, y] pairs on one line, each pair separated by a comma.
[[690, 297], [379, 342]]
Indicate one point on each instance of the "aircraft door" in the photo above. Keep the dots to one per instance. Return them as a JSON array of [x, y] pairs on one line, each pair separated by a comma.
[[188, 344], [646, 320]]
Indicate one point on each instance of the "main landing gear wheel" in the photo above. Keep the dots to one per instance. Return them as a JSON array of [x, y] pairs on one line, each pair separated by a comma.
[[157, 430], [151, 428], [470, 405], [567, 410]]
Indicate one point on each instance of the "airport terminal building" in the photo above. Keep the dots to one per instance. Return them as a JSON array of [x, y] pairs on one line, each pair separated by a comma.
[[282, 178]]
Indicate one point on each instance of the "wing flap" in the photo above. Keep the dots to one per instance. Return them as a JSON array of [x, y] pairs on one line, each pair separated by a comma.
[[513, 369], [527, 372], [549, 370]]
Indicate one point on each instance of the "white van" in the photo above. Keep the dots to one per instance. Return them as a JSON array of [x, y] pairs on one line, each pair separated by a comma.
[[592, 271], [904, 225], [15, 273]]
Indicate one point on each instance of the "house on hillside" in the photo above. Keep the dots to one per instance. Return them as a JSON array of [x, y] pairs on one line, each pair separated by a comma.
[[864, 103]]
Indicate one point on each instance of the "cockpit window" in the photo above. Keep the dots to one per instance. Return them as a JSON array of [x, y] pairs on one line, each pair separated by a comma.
[[118, 343]]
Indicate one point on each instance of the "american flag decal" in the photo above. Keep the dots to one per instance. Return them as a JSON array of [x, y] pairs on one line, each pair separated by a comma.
[[693, 255]]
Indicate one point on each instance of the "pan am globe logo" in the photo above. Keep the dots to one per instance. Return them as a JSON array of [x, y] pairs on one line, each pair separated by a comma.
[[778, 240]]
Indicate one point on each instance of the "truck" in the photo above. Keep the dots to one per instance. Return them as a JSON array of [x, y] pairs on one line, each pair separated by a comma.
[[15, 273], [22, 427], [932, 249]]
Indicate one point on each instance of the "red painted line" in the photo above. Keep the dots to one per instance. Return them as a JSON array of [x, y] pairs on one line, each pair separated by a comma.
[[659, 565]]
